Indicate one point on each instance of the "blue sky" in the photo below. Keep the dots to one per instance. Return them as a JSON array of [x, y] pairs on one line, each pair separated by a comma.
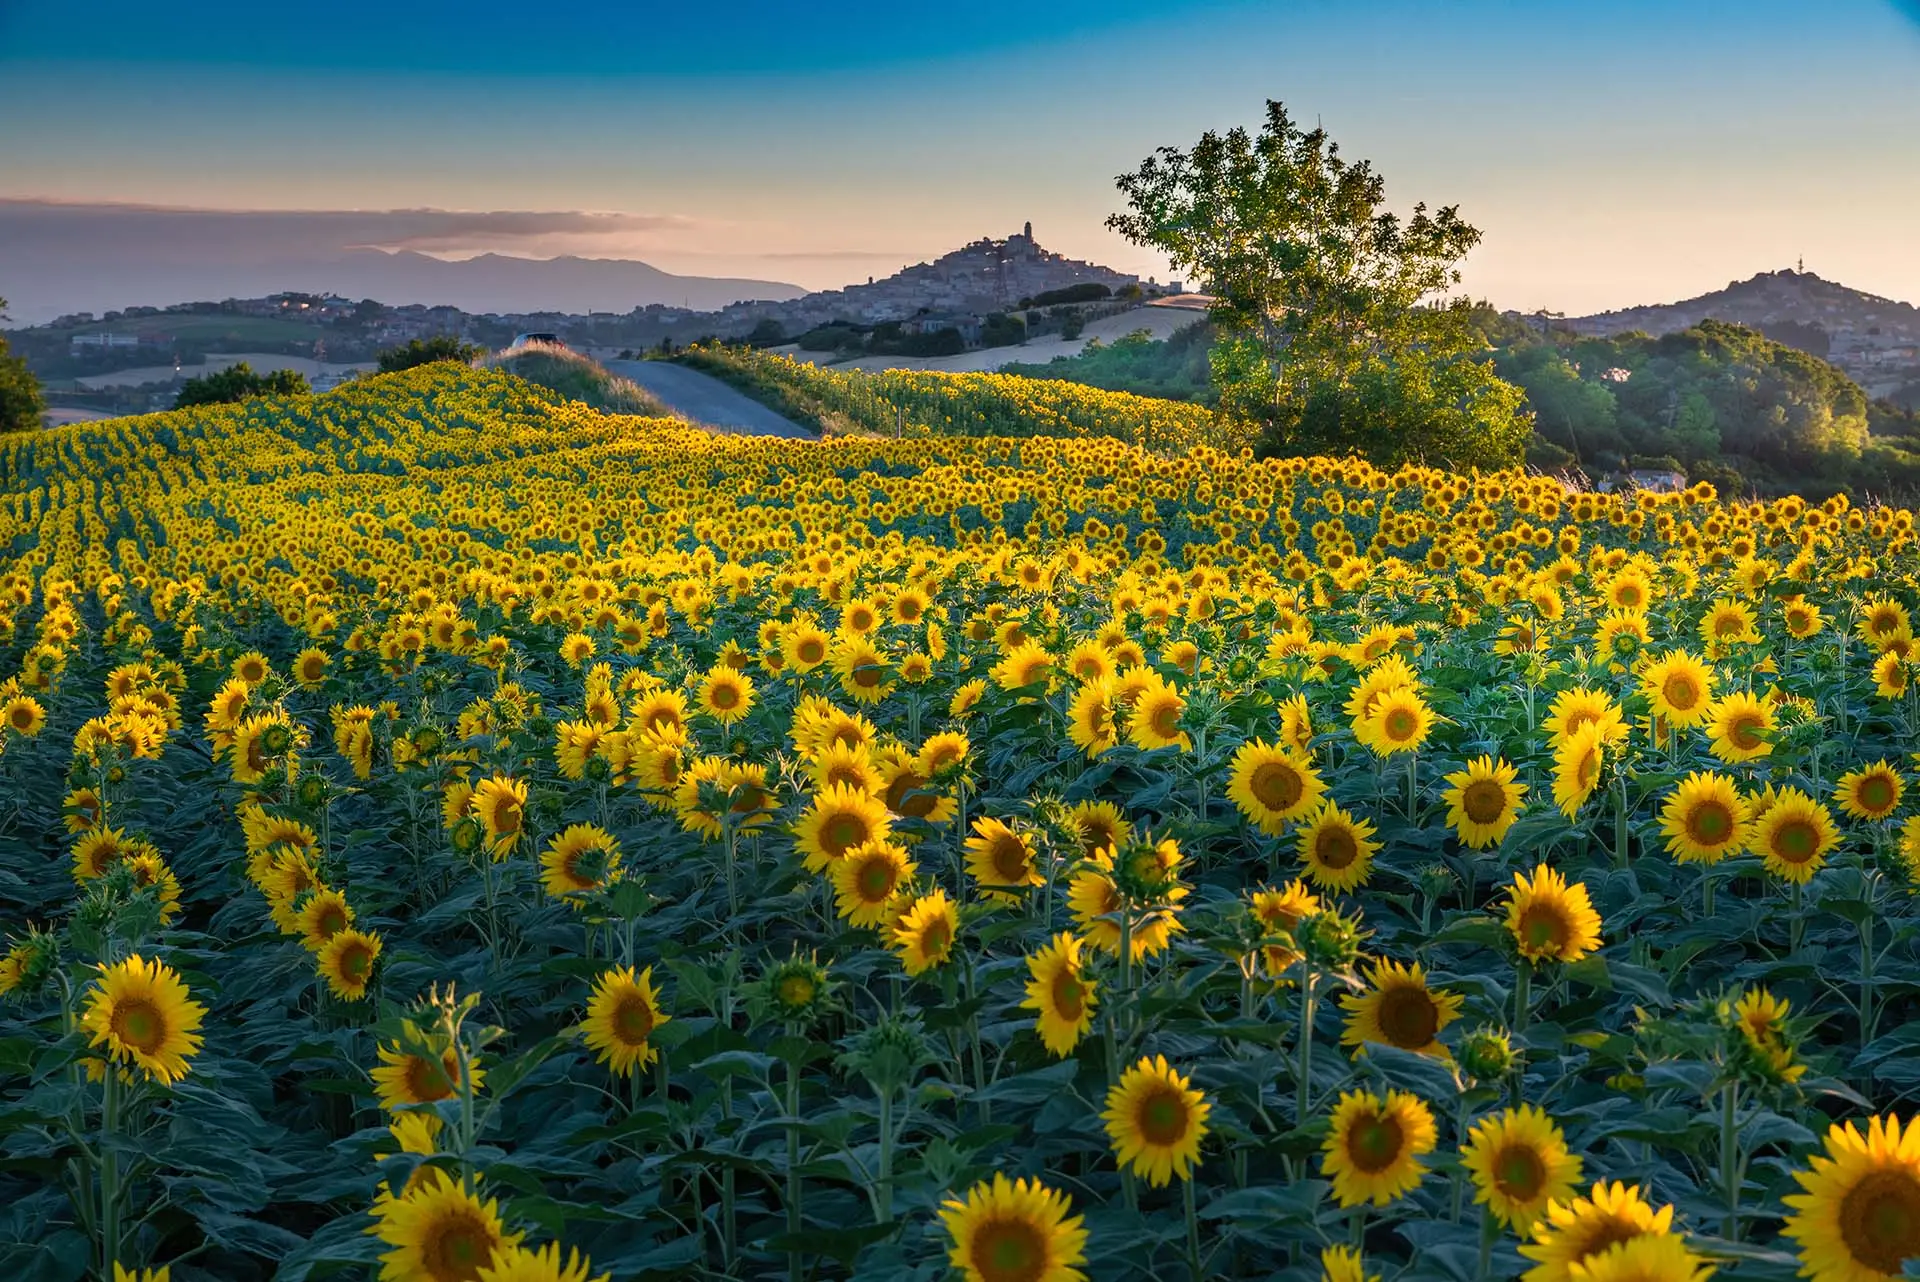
[[1612, 152]]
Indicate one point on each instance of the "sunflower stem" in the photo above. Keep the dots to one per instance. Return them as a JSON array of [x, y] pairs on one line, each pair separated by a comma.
[[1193, 1228], [794, 1220], [1706, 892], [883, 1204], [1303, 1097], [1413, 783], [109, 1169], [1489, 1231], [1730, 1156]]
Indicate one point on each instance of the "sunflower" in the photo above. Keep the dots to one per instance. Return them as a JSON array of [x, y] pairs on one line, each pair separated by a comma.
[[1272, 786], [1881, 619], [1576, 767], [82, 810], [1803, 619], [310, 668], [1705, 819], [1679, 686], [518, 1264], [1156, 1121], [1026, 667], [714, 792], [1000, 858], [621, 1017], [1098, 825], [1663, 1257], [1091, 723], [121, 1273], [726, 695], [1278, 912], [1398, 721], [1551, 919], [1399, 1010], [1336, 849], [1740, 723], [926, 932], [1483, 801], [1061, 993], [942, 753], [837, 820], [23, 715], [1871, 792], [966, 697], [98, 851], [863, 670], [439, 1232], [500, 804], [1890, 675], [1296, 724], [346, 963], [405, 1080], [141, 1012], [908, 791], [1857, 1218], [1794, 836], [1762, 1020], [1343, 1264], [581, 857], [1374, 1144], [868, 879], [805, 646], [1728, 623], [1096, 903], [1014, 1231], [1155, 719], [1574, 1230], [660, 710], [325, 914], [1519, 1162]]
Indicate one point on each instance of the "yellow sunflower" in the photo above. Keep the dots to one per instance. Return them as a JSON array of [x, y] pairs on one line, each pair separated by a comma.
[[1576, 767], [1014, 1231], [324, 915], [1273, 786], [1336, 849], [1343, 1264], [1871, 792], [726, 695], [926, 932], [1664, 1257], [1762, 1019], [1518, 1161], [839, 819], [1155, 718], [1483, 801], [581, 857], [346, 963], [500, 804], [1026, 667], [1551, 919], [1374, 1144], [1794, 836], [1739, 724], [518, 1264], [1574, 1230], [1001, 859], [1098, 825], [439, 1232], [621, 1017], [1705, 819], [1155, 1121], [1574, 710], [1096, 903], [1679, 686], [1890, 675], [405, 1080], [1091, 721], [1399, 720], [848, 765], [868, 879], [1060, 993], [1857, 1218], [1278, 912], [142, 1013], [1399, 1010]]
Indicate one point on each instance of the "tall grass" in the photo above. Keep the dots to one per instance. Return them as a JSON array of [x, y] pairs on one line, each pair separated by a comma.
[[576, 377]]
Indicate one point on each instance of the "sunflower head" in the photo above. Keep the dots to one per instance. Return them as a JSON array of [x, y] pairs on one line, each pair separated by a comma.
[[1857, 1216], [1014, 1231], [796, 992]]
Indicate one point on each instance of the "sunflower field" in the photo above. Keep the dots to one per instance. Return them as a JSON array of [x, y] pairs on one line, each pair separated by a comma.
[[449, 833]]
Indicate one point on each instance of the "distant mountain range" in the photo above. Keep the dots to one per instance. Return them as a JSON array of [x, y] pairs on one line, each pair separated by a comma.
[[59, 259], [1875, 340]]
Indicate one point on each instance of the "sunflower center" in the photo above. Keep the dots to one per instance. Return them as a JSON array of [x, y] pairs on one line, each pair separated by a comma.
[[139, 1023], [1710, 823], [506, 816], [1543, 929], [1408, 1017], [1728, 625], [1166, 720], [1587, 769], [1484, 801], [842, 833], [724, 697], [810, 651], [1795, 842], [1162, 1117], [1744, 732], [875, 880], [796, 991], [1519, 1173], [632, 1019], [1680, 692], [1401, 725], [1069, 995], [1375, 1143], [427, 1081], [1876, 793], [867, 676], [1010, 859], [1009, 1251], [1335, 848], [460, 1246], [356, 962], [935, 939], [1276, 785], [1606, 1235], [1880, 1220]]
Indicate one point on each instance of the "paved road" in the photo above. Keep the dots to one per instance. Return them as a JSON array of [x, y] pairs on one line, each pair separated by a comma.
[[707, 400]]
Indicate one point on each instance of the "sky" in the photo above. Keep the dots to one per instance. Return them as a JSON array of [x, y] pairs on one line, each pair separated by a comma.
[[1611, 153]]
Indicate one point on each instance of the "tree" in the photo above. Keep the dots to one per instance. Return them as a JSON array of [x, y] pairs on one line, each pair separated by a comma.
[[20, 401], [1329, 341], [238, 383], [441, 347]]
